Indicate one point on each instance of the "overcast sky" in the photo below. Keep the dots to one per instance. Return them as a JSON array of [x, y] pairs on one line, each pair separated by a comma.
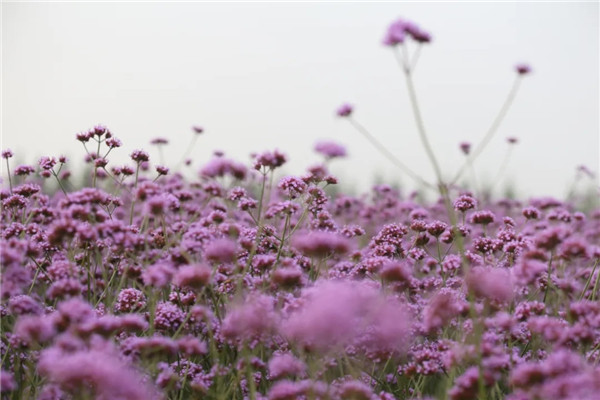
[[260, 76]]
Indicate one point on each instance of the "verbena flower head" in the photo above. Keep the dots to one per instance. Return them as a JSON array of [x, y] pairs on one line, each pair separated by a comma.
[[7, 153], [523, 69], [162, 170], [100, 130], [221, 250], [465, 147], [321, 243], [330, 149], [113, 142], [99, 369], [24, 170], [333, 314], [292, 186], [400, 29], [193, 276], [130, 300], [285, 364], [159, 141], [47, 163], [440, 310], [139, 156], [269, 160], [465, 202], [255, 318], [490, 283], [345, 110]]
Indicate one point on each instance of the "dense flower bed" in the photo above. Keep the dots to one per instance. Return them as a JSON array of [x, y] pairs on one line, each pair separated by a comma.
[[243, 284]]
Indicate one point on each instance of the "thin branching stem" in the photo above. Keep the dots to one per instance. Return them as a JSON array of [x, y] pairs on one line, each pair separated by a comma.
[[492, 130], [387, 154]]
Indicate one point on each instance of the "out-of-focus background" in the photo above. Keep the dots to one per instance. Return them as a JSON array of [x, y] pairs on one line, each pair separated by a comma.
[[260, 76]]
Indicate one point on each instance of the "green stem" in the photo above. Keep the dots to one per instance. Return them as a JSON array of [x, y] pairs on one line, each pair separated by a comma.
[[548, 278], [187, 153], [137, 172], [493, 128], [589, 280], [8, 173], [420, 124], [387, 154]]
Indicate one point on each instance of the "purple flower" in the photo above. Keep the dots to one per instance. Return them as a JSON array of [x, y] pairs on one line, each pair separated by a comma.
[[321, 243], [345, 110], [162, 170], [330, 149], [269, 160], [7, 381], [193, 276], [47, 163], [398, 31], [523, 69], [191, 345], [35, 329], [292, 186], [490, 283], [130, 300], [483, 217], [465, 202], [219, 167], [221, 250], [159, 141], [139, 156], [158, 275], [23, 304], [396, 271], [255, 318], [526, 271], [335, 313], [168, 316], [113, 143], [97, 369], [440, 310], [7, 153], [355, 390], [24, 170], [531, 213], [465, 147], [285, 364]]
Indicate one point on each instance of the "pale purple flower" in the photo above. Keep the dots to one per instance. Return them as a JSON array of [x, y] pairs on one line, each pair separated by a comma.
[[345, 110], [221, 250], [321, 243], [253, 319], [523, 69], [490, 283], [99, 369], [7, 153], [465, 147], [139, 156], [193, 276], [285, 364], [130, 300], [330, 149]]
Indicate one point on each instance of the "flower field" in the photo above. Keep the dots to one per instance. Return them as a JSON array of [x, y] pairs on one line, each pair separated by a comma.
[[242, 283]]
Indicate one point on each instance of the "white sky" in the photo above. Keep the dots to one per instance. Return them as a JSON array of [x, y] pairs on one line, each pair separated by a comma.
[[270, 75]]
